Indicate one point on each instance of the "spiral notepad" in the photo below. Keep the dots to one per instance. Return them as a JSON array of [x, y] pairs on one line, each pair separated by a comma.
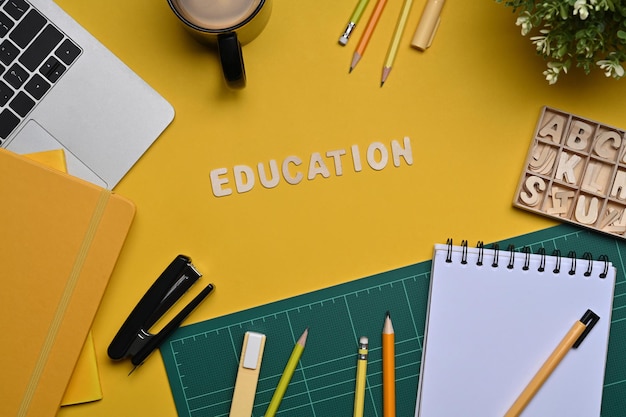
[[495, 315]]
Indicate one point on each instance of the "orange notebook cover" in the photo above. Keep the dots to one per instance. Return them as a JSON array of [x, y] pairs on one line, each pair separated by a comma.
[[60, 240]]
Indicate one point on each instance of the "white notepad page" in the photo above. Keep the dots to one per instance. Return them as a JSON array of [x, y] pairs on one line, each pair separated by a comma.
[[489, 330]]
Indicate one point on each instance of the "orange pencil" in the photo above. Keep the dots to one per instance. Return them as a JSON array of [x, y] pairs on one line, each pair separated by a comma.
[[389, 369], [367, 34]]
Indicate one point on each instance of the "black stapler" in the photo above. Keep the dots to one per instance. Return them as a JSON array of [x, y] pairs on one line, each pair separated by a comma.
[[134, 339]]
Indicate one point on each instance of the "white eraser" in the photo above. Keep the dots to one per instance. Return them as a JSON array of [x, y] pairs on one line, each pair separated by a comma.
[[253, 350]]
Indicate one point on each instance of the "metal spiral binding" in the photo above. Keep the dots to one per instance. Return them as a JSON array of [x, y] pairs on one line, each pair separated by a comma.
[[526, 251], [572, 256], [481, 253], [587, 256], [541, 252], [511, 250], [464, 252], [542, 263], [605, 259], [557, 254], [449, 253], [496, 255]]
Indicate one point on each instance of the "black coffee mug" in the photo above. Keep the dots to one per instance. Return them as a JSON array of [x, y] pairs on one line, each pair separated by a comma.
[[227, 23]]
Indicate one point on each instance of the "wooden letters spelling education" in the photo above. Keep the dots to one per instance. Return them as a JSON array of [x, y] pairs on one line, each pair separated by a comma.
[[293, 169], [576, 171]]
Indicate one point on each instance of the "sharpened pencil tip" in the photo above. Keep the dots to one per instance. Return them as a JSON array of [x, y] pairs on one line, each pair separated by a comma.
[[355, 60], [302, 340], [386, 71]]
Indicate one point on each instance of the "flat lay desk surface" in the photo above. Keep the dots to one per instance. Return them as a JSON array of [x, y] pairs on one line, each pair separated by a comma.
[[469, 105]]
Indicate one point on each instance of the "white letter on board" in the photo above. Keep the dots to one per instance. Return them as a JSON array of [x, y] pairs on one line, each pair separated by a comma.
[[336, 155], [272, 182], [591, 215], [566, 167], [244, 178], [317, 166], [217, 182], [579, 135], [598, 147], [406, 153], [356, 158], [554, 128], [371, 153], [619, 185], [293, 180], [533, 184]]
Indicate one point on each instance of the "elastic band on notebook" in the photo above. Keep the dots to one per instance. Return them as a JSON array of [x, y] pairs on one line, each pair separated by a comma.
[[64, 302]]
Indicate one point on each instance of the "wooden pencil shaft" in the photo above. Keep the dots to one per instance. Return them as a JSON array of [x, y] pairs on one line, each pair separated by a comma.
[[361, 372], [371, 25], [397, 36], [358, 11], [546, 369], [285, 378], [389, 375]]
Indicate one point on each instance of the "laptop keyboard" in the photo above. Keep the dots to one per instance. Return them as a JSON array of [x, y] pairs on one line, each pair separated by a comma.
[[34, 54]]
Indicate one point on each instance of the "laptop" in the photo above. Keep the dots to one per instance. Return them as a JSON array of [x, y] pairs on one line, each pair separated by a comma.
[[62, 89]]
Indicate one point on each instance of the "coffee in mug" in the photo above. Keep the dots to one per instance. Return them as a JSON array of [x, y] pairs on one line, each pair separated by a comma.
[[229, 23]]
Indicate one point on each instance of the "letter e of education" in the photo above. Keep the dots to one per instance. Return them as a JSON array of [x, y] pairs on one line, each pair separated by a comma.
[[217, 182]]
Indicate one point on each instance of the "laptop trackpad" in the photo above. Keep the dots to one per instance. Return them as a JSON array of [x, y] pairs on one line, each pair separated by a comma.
[[34, 138]]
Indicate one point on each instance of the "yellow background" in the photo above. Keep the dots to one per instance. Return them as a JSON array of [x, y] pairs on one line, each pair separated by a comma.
[[469, 105]]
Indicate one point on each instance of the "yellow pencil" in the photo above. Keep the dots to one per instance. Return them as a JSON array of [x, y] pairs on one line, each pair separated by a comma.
[[361, 371], [290, 367], [389, 369], [573, 338], [395, 41]]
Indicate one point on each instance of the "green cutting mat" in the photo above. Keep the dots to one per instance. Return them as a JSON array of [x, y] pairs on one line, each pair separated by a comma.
[[202, 359]]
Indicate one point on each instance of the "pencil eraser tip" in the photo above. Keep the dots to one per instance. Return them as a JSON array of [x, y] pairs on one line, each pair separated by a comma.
[[363, 340]]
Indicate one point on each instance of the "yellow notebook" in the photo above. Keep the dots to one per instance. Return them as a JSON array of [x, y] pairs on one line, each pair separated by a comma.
[[84, 386], [61, 237]]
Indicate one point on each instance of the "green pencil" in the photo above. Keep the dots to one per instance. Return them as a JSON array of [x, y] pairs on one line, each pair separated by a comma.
[[354, 19], [287, 374]]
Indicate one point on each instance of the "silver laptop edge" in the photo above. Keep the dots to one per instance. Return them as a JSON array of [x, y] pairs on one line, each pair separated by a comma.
[[100, 112]]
